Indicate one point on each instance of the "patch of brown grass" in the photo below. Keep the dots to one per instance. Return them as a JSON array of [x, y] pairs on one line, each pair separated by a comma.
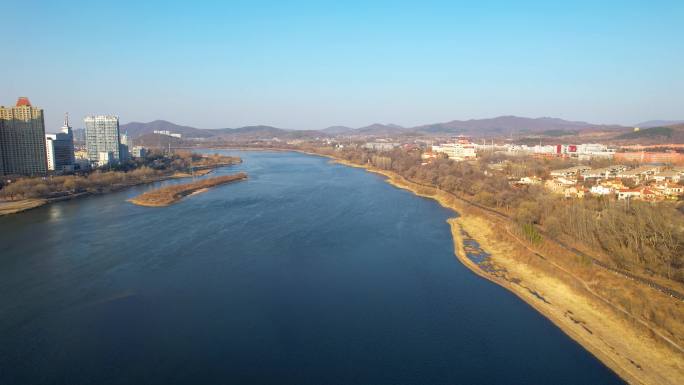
[[171, 194]]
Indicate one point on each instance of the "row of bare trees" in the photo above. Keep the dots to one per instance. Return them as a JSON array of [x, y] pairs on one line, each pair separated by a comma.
[[153, 166], [98, 181], [641, 236]]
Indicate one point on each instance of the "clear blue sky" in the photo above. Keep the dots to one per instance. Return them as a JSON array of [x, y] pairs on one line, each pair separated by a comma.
[[311, 64]]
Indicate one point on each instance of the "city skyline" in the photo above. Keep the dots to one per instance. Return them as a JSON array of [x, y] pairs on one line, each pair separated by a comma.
[[306, 65]]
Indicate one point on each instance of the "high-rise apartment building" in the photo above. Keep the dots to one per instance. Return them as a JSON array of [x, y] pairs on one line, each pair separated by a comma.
[[22, 139], [124, 152], [60, 148], [102, 139]]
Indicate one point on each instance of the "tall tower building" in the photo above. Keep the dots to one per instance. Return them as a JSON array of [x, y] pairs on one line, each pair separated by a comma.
[[102, 139], [124, 152], [22, 139], [60, 148]]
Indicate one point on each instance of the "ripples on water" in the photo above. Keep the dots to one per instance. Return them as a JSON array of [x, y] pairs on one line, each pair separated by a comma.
[[307, 273]]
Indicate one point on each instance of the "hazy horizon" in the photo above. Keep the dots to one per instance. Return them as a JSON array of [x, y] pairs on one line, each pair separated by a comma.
[[311, 65]]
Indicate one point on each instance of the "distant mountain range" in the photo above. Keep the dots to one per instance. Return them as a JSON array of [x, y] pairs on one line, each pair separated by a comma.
[[673, 133], [499, 126], [137, 130], [658, 123], [506, 125]]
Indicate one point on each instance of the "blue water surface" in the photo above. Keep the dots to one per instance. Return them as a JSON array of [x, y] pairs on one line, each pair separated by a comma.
[[307, 273]]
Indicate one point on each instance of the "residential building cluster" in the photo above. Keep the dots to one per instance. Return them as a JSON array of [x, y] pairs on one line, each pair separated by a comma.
[[25, 148], [463, 149], [583, 151], [649, 183], [167, 133], [381, 146]]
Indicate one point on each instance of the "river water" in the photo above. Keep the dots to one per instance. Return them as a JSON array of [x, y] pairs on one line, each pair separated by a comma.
[[307, 273]]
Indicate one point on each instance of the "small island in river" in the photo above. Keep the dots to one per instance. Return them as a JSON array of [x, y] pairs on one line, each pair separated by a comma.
[[169, 195]]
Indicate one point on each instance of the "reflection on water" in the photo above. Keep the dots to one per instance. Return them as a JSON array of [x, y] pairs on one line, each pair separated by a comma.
[[306, 273], [54, 212]]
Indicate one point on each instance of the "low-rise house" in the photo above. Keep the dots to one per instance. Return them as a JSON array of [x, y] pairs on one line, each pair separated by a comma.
[[650, 195], [528, 180], [615, 184], [602, 190], [671, 175], [605, 172], [629, 193], [570, 171], [640, 173], [558, 185], [574, 192], [670, 190], [598, 173]]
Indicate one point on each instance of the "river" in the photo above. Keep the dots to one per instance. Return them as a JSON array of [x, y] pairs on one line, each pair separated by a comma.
[[307, 273]]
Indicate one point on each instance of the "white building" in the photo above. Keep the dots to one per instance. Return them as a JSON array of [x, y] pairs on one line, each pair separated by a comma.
[[381, 146], [602, 190], [59, 149], [167, 133], [629, 193], [102, 136], [50, 151], [671, 175], [460, 150], [138, 151], [594, 150], [105, 158], [570, 171]]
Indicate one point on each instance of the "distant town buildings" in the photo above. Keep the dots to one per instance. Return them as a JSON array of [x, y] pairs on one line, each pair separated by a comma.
[[459, 150], [651, 182], [167, 133], [59, 149], [583, 151], [139, 152], [102, 139], [651, 157], [381, 146], [22, 139]]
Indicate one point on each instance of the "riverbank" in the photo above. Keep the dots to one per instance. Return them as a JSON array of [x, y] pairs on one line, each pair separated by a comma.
[[199, 169], [13, 207], [169, 195], [593, 307], [18, 206]]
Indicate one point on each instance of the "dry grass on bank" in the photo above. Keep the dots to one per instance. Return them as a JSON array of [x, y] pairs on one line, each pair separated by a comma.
[[626, 345], [171, 194], [13, 207], [635, 330]]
